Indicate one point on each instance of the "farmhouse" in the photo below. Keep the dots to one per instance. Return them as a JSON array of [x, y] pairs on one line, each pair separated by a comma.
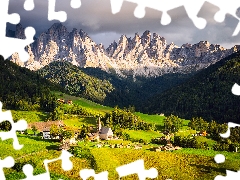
[[46, 133], [44, 127]]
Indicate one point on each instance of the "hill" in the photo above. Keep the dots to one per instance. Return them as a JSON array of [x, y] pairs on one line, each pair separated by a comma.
[[108, 89], [75, 82], [24, 89], [207, 94]]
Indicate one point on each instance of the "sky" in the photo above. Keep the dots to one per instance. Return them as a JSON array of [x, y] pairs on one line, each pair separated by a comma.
[[95, 18]]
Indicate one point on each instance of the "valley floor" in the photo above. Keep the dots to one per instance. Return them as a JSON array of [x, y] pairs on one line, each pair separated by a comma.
[[182, 164]]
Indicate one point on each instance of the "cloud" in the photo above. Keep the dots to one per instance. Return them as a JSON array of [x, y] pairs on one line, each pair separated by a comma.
[[95, 18]]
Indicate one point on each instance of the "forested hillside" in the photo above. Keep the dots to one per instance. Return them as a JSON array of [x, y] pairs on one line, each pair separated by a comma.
[[75, 82], [24, 89], [207, 94], [128, 91]]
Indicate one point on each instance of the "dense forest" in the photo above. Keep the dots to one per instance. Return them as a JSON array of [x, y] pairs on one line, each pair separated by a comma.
[[129, 91], [75, 82], [207, 94], [108, 89], [23, 89]]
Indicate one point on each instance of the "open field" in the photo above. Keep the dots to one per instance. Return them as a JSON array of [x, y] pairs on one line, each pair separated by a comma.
[[78, 121], [187, 163], [158, 120], [84, 102], [144, 135], [184, 164], [29, 116]]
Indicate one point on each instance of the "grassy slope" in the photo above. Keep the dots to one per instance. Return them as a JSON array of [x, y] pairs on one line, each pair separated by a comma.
[[144, 135], [83, 102], [36, 151], [79, 121], [29, 116], [184, 164]]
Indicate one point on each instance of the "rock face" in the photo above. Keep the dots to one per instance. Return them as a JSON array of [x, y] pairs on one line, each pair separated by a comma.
[[147, 55]]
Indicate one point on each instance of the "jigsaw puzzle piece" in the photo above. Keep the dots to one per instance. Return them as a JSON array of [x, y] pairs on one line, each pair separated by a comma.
[[219, 158], [28, 171], [227, 7], [18, 126], [66, 166], [229, 175], [87, 173], [75, 4], [230, 125], [65, 158], [13, 45], [138, 168], [52, 15], [192, 8], [236, 89], [29, 5], [5, 17], [8, 162]]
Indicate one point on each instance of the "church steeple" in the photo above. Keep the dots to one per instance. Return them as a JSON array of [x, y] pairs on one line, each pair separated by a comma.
[[99, 125]]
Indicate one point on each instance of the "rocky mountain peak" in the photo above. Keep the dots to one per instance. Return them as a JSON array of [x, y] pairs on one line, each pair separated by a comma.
[[147, 55], [146, 38], [83, 34]]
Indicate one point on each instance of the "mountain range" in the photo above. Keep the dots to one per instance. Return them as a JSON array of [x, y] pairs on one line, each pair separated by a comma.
[[148, 55], [144, 71]]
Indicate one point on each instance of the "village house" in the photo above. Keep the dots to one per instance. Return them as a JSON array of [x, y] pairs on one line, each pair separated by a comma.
[[45, 127], [46, 133]]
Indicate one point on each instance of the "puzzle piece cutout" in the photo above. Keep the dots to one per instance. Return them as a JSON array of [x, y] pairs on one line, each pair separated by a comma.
[[12, 45], [29, 5], [236, 89], [75, 4], [87, 173], [192, 8], [52, 14], [138, 168], [227, 7], [8, 162], [230, 125], [18, 126], [66, 166], [229, 175], [220, 158]]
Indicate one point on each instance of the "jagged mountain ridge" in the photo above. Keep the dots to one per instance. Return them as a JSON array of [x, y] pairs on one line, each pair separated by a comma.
[[147, 55]]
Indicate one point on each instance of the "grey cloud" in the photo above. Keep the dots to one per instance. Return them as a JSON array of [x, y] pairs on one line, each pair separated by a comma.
[[95, 18]]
